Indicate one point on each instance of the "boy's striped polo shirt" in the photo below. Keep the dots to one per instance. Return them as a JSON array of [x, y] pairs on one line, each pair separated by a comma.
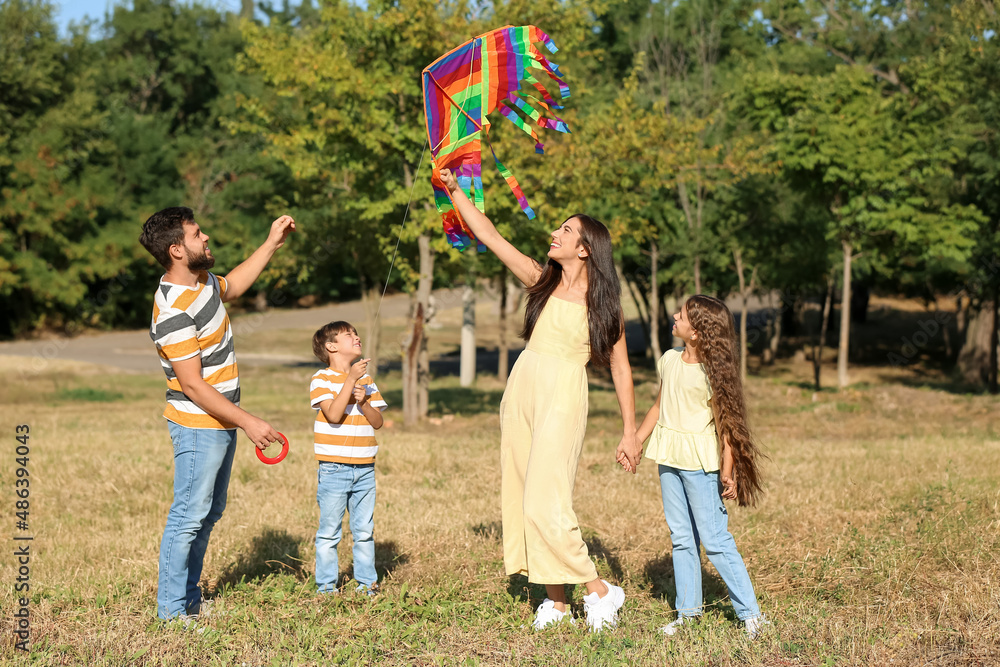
[[192, 321], [352, 439]]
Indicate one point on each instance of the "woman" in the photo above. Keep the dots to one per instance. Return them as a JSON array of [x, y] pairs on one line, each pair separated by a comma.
[[573, 316]]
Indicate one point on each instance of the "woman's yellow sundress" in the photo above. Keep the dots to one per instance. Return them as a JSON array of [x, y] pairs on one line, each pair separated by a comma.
[[543, 417]]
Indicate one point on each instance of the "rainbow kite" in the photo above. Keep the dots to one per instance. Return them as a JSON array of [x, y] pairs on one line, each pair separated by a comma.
[[465, 85]]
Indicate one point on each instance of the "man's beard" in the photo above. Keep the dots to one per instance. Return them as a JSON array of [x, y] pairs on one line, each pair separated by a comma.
[[200, 262]]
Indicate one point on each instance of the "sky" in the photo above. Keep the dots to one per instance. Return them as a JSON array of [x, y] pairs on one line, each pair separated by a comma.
[[75, 10]]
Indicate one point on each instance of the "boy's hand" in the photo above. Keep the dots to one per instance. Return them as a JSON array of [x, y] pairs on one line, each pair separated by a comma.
[[360, 394], [280, 229], [358, 370], [449, 180], [728, 487]]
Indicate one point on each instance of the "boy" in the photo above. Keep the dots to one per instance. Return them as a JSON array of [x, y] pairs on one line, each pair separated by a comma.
[[348, 405]]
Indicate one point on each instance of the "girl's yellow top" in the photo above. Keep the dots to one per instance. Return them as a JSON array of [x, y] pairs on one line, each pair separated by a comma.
[[684, 436]]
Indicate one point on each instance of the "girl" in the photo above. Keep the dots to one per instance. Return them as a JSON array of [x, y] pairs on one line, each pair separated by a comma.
[[573, 316], [700, 410]]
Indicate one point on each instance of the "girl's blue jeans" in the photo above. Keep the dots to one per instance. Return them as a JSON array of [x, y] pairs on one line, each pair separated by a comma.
[[203, 460], [351, 487], [692, 504]]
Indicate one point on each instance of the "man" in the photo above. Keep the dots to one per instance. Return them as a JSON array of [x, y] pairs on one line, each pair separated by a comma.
[[191, 331]]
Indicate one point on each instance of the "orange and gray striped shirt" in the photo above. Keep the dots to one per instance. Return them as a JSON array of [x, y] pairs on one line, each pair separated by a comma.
[[190, 321], [352, 439]]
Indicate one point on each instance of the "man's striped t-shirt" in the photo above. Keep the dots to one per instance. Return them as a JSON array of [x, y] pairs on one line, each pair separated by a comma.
[[190, 321], [352, 438]]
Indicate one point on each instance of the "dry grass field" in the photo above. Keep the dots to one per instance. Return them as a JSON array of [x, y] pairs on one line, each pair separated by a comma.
[[878, 542]]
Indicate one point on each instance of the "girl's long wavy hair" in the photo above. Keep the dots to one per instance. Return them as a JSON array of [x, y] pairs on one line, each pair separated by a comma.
[[719, 352], [604, 292]]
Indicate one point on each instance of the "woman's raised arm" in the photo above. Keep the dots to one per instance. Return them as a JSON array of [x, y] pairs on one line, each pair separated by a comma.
[[526, 269]]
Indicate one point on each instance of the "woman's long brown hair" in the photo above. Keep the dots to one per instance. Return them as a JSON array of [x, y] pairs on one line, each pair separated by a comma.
[[719, 352], [604, 292]]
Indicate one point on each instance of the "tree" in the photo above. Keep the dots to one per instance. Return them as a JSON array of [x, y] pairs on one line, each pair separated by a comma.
[[974, 53], [873, 159]]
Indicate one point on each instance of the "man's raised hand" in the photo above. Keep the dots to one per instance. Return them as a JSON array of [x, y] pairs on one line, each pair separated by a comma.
[[280, 229]]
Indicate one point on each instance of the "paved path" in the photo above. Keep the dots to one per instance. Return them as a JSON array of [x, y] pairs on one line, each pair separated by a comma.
[[133, 350]]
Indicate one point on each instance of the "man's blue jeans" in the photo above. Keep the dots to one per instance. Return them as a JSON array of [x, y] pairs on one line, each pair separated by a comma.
[[203, 460], [692, 504], [344, 486]]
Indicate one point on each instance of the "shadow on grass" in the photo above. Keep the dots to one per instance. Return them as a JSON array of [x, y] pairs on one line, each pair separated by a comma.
[[519, 587], [271, 552], [387, 558], [935, 381], [598, 549], [660, 573], [464, 401], [492, 531]]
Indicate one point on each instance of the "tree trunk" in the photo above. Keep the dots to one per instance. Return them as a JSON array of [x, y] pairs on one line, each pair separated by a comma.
[[467, 363], [774, 333], [845, 318], [503, 359], [370, 299], [821, 339], [424, 297], [745, 291], [992, 373], [974, 357], [246, 9], [672, 308], [654, 300], [945, 333], [643, 316], [411, 351], [694, 226]]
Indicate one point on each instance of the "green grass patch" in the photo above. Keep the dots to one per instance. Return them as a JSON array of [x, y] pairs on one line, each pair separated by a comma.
[[89, 394]]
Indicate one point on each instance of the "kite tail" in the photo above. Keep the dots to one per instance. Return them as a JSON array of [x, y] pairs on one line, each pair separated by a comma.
[[455, 229], [513, 185]]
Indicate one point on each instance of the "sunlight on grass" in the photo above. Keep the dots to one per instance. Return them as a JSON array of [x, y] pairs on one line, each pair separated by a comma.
[[877, 540]]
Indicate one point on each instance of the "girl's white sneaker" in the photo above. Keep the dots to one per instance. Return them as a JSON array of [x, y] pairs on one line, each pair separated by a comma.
[[673, 627], [547, 615], [756, 626]]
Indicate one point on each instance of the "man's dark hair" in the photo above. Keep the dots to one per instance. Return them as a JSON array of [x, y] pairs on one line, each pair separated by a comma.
[[325, 334], [164, 229]]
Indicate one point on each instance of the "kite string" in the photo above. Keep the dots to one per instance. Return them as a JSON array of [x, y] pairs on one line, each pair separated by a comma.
[[399, 235]]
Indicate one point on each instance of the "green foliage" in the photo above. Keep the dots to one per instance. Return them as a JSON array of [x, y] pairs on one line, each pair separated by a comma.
[[775, 131]]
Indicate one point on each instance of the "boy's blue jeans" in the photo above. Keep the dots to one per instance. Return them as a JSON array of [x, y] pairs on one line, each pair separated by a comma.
[[692, 504], [203, 460], [351, 487]]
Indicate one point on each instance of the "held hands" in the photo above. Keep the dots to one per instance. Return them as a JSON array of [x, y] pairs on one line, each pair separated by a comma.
[[629, 452], [280, 229], [260, 432]]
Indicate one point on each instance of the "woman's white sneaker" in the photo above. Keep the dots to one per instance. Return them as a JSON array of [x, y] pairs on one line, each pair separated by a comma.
[[602, 612], [547, 615]]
